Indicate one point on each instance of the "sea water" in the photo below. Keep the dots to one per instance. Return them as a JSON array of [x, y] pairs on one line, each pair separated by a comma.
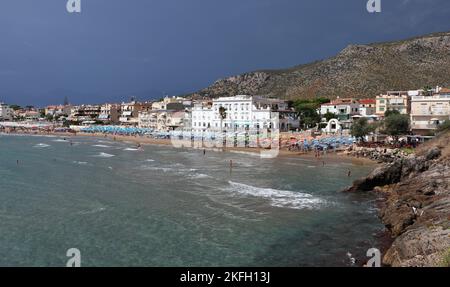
[[161, 206]]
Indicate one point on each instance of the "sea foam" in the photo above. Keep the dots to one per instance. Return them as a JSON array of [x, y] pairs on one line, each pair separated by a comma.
[[131, 149], [104, 155], [102, 145], [278, 198], [42, 145]]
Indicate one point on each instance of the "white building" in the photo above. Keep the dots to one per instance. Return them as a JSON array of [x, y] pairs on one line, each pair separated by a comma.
[[367, 107], [166, 103], [59, 110], [427, 112], [129, 112], [242, 112], [6, 113], [109, 113], [202, 115], [344, 109]]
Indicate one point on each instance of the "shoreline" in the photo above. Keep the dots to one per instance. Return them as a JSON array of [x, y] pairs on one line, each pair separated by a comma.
[[148, 141], [414, 195]]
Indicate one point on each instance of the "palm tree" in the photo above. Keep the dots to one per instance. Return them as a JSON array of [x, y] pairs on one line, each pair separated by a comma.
[[223, 115]]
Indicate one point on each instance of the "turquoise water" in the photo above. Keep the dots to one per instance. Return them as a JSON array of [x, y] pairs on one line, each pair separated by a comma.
[[170, 207]]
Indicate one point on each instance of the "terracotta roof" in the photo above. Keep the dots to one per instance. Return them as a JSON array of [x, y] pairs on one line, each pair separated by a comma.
[[367, 101], [445, 90]]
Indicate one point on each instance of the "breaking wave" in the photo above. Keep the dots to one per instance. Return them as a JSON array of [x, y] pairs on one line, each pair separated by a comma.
[[102, 145], [80, 162], [104, 155], [279, 198], [131, 149], [42, 145]]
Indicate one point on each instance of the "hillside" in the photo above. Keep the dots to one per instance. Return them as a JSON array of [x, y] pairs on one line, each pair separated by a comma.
[[357, 71]]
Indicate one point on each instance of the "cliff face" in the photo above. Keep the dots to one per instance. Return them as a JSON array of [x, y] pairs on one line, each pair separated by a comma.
[[357, 71], [416, 209]]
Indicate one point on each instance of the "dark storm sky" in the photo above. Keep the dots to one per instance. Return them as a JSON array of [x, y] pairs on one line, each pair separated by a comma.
[[116, 49]]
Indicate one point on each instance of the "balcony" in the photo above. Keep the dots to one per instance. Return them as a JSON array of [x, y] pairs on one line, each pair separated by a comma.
[[424, 126]]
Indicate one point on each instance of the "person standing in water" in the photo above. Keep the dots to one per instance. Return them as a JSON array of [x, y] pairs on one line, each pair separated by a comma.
[[349, 173], [231, 166]]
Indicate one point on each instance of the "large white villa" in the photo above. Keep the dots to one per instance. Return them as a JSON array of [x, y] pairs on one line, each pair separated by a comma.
[[242, 112]]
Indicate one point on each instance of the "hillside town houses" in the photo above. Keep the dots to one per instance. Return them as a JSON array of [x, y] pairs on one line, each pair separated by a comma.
[[427, 110]]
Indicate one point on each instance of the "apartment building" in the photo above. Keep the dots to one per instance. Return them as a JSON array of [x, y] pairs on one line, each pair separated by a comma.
[[84, 113], [367, 107], [6, 113], [428, 111], [344, 109], [109, 113], [58, 110], [395, 100], [129, 112]]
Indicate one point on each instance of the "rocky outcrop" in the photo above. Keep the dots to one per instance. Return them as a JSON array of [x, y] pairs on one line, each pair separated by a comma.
[[357, 71], [416, 206], [378, 154]]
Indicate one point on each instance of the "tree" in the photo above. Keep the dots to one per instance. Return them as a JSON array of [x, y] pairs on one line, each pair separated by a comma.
[[361, 128], [396, 125], [445, 126], [15, 107], [49, 118], [308, 117], [328, 116], [223, 115], [391, 112], [307, 111], [427, 91]]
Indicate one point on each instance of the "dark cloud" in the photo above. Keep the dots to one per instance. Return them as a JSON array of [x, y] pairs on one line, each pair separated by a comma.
[[115, 49]]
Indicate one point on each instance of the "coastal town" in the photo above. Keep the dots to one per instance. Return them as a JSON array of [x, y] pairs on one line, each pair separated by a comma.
[[318, 124]]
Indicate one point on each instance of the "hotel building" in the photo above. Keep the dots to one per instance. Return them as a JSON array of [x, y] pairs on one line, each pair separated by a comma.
[[242, 112]]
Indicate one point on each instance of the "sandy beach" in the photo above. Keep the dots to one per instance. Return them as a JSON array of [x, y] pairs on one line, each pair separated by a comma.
[[329, 156]]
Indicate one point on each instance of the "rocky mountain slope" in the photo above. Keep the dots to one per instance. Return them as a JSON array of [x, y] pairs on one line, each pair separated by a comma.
[[416, 205], [357, 71]]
